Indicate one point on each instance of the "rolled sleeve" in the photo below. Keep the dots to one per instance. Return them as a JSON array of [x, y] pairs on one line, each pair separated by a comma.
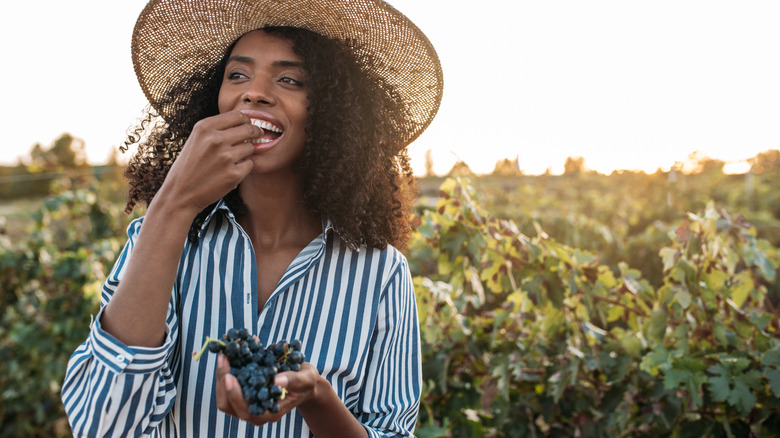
[[119, 357], [391, 398], [112, 389]]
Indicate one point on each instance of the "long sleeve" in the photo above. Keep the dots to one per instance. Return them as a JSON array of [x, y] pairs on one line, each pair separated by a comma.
[[112, 389], [390, 399]]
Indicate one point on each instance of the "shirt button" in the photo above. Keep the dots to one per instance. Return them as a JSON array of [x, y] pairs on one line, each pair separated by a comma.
[[120, 358]]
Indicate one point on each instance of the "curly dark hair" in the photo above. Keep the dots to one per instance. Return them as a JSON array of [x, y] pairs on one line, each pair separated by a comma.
[[352, 169]]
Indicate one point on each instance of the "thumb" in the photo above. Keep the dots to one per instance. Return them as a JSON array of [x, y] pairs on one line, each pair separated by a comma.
[[282, 380]]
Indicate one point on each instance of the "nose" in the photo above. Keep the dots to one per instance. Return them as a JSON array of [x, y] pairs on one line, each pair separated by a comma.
[[259, 92]]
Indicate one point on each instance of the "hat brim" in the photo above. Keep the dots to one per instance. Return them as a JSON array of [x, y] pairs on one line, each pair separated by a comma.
[[173, 38]]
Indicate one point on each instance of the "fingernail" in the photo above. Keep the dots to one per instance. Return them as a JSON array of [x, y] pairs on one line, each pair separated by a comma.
[[281, 381]]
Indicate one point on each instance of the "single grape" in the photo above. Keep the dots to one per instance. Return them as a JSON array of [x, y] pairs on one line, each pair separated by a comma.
[[295, 356], [254, 346], [250, 393], [232, 334], [256, 409], [269, 358], [257, 380], [280, 348]]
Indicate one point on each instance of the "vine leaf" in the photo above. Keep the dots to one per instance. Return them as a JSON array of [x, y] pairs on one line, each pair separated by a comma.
[[731, 383]]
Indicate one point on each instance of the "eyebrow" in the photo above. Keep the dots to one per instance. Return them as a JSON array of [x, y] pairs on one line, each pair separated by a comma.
[[279, 63]]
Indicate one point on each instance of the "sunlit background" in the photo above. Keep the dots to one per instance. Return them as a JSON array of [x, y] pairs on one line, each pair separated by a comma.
[[623, 84]]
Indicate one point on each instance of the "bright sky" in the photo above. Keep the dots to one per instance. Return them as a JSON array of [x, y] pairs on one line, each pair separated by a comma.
[[623, 83]]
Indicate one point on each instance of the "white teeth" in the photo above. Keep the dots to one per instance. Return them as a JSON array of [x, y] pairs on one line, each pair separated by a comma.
[[261, 140], [266, 126]]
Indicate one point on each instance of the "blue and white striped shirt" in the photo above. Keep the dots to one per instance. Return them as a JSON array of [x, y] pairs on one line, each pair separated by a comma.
[[354, 312]]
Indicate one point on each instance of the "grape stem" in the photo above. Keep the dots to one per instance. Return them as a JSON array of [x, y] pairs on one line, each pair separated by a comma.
[[205, 345]]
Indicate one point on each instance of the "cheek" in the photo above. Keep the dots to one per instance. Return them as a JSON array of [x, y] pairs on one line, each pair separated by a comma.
[[302, 113], [223, 101], [221, 104]]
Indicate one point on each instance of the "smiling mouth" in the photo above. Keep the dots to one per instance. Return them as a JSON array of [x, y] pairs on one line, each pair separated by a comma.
[[271, 132]]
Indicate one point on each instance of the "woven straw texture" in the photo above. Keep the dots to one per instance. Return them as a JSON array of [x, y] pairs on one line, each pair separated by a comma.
[[173, 38]]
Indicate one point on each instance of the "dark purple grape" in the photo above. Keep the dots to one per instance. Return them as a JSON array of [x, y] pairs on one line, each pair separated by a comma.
[[255, 366], [254, 346], [269, 358], [250, 393], [256, 409], [232, 334], [280, 348], [295, 356]]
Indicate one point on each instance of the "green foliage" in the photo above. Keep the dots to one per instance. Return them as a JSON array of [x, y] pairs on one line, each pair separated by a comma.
[[529, 337], [49, 286], [625, 217], [633, 319]]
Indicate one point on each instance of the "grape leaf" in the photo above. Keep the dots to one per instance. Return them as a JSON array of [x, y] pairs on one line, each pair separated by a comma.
[[657, 326], [691, 378], [773, 376], [720, 383], [771, 361], [734, 386], [741, 397]]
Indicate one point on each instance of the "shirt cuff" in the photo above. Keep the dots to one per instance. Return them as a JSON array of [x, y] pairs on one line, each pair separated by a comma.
[[119, 357]]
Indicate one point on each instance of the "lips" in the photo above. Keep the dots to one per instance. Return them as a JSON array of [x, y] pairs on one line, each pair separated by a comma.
[[271, 132]]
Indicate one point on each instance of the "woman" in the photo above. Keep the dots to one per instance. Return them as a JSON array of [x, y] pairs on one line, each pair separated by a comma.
[[277, 195]]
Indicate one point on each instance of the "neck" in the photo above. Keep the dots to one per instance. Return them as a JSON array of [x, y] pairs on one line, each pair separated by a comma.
[[277, 215]]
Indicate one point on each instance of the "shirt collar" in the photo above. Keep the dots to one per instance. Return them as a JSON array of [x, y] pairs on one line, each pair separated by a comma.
[[327, 226]]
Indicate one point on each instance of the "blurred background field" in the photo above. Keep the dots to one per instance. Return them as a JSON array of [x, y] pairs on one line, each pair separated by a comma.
[[578, 304]]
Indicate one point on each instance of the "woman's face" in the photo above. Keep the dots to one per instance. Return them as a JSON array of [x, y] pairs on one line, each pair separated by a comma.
[[264, 78]]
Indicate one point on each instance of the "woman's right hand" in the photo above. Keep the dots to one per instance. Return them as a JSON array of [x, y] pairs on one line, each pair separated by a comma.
[[212, 161]]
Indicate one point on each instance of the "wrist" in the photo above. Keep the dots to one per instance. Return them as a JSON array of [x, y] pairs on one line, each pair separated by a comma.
[[173, 206]]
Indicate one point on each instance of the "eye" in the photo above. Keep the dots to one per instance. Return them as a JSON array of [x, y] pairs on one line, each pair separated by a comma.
[[236, 75], [291, 81]]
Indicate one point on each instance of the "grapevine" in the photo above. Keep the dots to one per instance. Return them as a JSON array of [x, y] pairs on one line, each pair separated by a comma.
[[256, 366]]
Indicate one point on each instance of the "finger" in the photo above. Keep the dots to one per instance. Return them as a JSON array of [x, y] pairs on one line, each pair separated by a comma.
[[223, 371], [241, 133], [240, 151], [223, 366], [229, 120], [294, 383], [243, 167], [282, 380], [299, 381], [235, 398]]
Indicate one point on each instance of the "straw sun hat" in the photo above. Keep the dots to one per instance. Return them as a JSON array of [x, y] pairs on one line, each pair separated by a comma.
[[173, 38]]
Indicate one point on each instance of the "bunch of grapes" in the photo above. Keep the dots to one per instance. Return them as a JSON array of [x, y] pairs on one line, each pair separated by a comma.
[[256, 366]]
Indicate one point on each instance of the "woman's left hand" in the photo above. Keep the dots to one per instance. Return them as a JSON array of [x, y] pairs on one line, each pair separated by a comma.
[[300, 387]]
